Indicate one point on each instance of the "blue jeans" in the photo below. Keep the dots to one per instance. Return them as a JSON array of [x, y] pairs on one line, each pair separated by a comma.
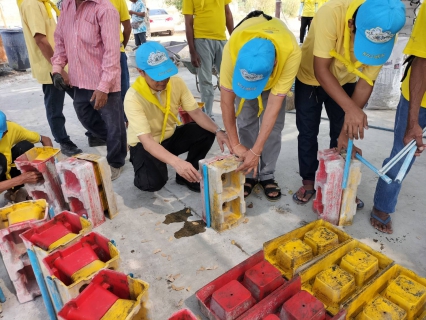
[[140, 38], [125, 78], [386, 195], [104, 123], [54, 104]]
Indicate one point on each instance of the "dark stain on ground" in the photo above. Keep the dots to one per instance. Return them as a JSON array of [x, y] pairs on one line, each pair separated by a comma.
[[178, 216], [190, 229], [303, 223]]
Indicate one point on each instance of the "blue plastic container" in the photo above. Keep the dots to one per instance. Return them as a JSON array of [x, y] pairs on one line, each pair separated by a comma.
[[16, 50]]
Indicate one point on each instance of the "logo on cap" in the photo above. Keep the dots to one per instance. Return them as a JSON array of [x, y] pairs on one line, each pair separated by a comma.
[[377, 35], [156, 58], [250, 76]]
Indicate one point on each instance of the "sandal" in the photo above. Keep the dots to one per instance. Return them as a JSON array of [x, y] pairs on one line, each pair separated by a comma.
[[268, 190], [305, 193], [359, 203], [383, 222], [249, 184]]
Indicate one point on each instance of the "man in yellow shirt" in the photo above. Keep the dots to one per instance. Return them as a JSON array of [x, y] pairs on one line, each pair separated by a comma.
[[258, 68], [349, 39], [123, 11], [410, 119], [205, 22], [151, 105], [306, 14], [38, 23], [15, 141]]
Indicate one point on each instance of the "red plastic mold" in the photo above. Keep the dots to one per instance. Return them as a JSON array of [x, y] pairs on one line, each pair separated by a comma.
[[303, 306], [64, 263], [262, 279], [103, 291], [184, 314], [62, 224], [271, 317], [231, 300]]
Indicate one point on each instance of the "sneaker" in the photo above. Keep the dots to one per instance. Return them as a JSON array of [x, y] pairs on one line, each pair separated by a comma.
[[69, 148], [96, 142], [193, 186], [115, 172]]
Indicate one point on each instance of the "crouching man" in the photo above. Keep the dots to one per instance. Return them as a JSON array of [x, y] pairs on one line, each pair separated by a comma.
[[155, 140]]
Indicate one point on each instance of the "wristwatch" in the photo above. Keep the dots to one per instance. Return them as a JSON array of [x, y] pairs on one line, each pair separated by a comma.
[[219, 129]]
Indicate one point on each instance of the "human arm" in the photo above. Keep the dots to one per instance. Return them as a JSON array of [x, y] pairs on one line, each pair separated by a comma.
[[417, 91], [46, 141], [182, 167], [127, 29], [229, 19], [208, 124], [301, 10], [24, 177], [44, 46], [189, 30], [139, 14]]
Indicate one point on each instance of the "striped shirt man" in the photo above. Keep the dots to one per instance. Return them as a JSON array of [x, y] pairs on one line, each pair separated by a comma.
[[87, 40]]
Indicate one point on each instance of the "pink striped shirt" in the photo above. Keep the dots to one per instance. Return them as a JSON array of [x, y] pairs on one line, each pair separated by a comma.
[[87, 40]]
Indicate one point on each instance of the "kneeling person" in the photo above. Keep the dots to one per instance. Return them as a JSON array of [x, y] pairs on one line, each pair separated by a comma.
[[155, 140]]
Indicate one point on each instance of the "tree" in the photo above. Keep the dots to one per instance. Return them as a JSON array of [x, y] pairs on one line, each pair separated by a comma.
[[175, 3]]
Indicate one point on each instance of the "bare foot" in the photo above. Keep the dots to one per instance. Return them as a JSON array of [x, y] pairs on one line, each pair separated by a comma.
[[385, 228]]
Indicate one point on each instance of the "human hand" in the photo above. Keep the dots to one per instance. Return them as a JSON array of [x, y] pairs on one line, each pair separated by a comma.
[[251, 163], [46, 141], [415, 132], [240, 151], [222, 138], [300, 18], [100, 98], [195, 59], [31, 177], [342, 144], [187, 171], [59, 81], [355, 122]]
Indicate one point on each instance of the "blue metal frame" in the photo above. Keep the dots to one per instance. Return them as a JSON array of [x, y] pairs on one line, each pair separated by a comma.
[[206, 194]]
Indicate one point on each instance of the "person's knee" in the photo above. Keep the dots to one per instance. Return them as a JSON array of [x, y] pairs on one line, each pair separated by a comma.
[[21, 147], [150, 186], [3, 165]]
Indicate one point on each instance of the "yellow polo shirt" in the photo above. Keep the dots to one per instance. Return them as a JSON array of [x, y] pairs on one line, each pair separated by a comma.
[[308, 8], [321, 3], [35, 19], [145, 117], [416, 46], [123, 11], [283, 79], [209, 18], [327, 33], [15, 133]]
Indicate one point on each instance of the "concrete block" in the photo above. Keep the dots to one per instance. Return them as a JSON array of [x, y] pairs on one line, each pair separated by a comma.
[[80, 189], [72, 268], [12, 248], [115, 295], [42, 159], [232, 300], [184, 314], [302, 306], [262, 279], [103, 180], [328, 184], [348, 206], [226, 192]]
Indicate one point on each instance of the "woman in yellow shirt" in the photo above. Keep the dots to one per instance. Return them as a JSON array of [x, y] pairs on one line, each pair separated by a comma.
[[306, 14]]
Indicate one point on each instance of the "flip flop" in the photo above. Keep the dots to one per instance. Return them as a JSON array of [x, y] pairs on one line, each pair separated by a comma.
[[359, 204], [252, 183], [305, 192], [377, 218]]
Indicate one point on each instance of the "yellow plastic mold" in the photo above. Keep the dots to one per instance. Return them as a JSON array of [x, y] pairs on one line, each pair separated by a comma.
[[271, 247], [361, 264], [120, 309], [43, 153], [382, 308], [293, 254], [23, 211], [321, 240], [335, 258]]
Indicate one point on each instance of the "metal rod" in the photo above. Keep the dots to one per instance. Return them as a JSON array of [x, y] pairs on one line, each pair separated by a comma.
[[206, 194], [39, 277], [347, 164], [406, 164], [2, 297], [373, 168]]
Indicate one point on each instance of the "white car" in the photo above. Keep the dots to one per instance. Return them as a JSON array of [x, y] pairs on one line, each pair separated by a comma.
[[161, 21]]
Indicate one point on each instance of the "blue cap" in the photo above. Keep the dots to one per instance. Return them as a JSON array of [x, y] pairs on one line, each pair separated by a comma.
[[3, 124], [377, 23], [253, 68], [153, 58]]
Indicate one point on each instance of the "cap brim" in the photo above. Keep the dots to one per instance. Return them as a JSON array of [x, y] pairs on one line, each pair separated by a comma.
[[162, 72], [247, 89], [370, 53]]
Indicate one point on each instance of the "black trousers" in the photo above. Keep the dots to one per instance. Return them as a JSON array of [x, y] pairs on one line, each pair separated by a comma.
[[308, 103], [106, 123], [151, 173], [304, 22], [19, 149]]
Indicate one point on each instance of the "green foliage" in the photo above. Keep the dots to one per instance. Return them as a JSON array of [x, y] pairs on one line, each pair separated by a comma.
[[290, 8], [176, 3]]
